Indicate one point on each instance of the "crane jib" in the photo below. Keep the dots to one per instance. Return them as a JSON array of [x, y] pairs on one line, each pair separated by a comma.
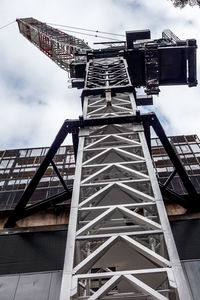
[[57, 45]]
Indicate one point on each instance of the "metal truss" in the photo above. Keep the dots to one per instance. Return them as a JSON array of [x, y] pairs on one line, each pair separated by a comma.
[[57, 45], [110, 73], [119, 243], [146, 58], [190, 201], [121, 106], [21, 211]]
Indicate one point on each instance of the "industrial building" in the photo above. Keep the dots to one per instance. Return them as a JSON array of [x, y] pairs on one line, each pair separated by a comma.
[[41, 238], [19, 165], [91, 220]]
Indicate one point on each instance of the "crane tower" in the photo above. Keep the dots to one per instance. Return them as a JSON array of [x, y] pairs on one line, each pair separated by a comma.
[[119, 244]]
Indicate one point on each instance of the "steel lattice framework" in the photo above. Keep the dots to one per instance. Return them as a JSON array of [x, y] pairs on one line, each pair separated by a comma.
[[57, 45], [119, 244]]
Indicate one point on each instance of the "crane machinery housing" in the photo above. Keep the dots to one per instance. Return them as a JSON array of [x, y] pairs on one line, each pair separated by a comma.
[[119, 243]]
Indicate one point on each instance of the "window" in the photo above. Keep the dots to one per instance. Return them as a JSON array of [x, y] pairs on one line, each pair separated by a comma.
[[158, 142], [44, 151], [22, 153], [187, 156], [161, 169], [61, 150], [190, 138], [195, 148], [35, 152], [4, 163], [178, 139], [170, 169], [187, 168], [195, 167], [153, 143], [178, 149], [185, 148], [10, 182]]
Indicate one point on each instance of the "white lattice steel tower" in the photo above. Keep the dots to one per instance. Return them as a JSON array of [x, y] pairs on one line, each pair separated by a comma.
[[119, 244]]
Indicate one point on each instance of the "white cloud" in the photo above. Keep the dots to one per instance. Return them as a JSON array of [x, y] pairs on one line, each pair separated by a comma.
[[28, 77]]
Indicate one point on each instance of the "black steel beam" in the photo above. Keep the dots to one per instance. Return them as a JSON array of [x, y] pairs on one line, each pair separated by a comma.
[[169, 179], [147, 133], [192, 68], [151, 119], [132, 36], [155, 123], [114, 42], [75, 139], [44, 204], [59, 176], [143, 100], [117, 89], [174, 196], [111, 120], [72, 126], [147, 120], [64, 130]]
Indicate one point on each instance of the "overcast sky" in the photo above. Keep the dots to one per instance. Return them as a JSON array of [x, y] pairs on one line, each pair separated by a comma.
[[34, 94]]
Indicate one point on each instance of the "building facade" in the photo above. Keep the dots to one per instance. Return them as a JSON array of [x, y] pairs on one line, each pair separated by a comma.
[[32, 253]]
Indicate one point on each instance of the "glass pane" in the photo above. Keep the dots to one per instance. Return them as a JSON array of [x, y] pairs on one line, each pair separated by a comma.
[[62, 150], [195, 148], [10, 164], [36, 152], [178, 149], [4, 163], [22, 153], [185, 148], [195, 167], [153, 142]]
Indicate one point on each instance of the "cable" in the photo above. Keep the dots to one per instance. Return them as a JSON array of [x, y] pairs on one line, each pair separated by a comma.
[[94, 35], [87, 29], [98, 36], [7, 24]]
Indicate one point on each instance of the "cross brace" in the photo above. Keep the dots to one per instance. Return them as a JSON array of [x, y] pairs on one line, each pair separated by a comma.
[[72, 126]]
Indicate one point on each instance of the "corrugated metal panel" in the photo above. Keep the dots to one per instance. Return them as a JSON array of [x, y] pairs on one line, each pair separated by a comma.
[[186, 234], [55, 286], [33, 287], [36, 286], [32, 252], [8, 285], [192, 271]]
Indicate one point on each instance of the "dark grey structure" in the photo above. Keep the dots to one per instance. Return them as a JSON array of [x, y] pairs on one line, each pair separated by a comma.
[[18, 166], [188, 149]]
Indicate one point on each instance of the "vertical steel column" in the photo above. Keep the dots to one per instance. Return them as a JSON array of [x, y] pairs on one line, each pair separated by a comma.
[[119, 243]]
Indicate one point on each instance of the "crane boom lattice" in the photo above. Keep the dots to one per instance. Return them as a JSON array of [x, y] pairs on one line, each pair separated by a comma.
[[57, 45], [119, 244]]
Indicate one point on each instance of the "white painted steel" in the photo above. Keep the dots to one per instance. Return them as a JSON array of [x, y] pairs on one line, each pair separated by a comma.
[[119, 239]]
